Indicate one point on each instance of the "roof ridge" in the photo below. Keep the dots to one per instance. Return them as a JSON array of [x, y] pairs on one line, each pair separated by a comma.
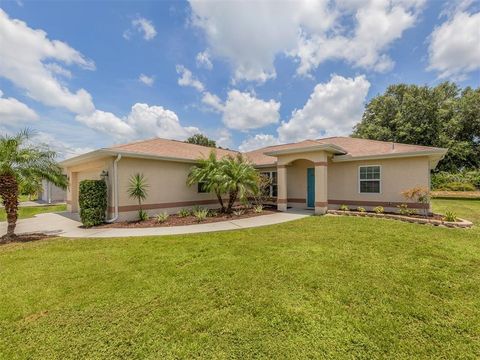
[[389, 142]]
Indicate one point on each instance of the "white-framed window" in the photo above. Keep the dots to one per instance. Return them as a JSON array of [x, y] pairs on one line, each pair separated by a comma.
[[369, 179], [270, 190]]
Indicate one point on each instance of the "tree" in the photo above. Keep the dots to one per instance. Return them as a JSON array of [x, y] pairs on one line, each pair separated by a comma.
[[21, 160], [238, 178], [441, 116], [200, 139], [137, 189], [206, 172], [30, 186]]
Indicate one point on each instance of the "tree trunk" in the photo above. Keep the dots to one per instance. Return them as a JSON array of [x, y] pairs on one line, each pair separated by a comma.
[[232, 197], [220, 200], [9, 195]]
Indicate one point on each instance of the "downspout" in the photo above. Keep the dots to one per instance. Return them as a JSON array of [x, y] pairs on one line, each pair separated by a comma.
[[115, 190]]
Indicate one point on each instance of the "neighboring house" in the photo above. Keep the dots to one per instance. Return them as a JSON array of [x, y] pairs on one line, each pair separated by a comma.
[[317, 174], [51, 193]]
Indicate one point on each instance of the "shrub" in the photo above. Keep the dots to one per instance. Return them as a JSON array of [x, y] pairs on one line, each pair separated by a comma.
[[184, 213], [361, 209], [418, 194], [212, 213], [142, 215], [258, 208], [403, 209], [458, 186], [200, 214], [344, 208], [450, 216], [162, 217], [443, 180], [93, 202], [379, 209], [238, 212]]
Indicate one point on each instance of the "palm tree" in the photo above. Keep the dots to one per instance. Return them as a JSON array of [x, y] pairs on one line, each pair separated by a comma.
[[138, 190], [206, 172], [238, 178], [21, 160]]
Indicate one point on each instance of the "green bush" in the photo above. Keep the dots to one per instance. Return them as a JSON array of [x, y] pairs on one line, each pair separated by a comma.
[[162, 217], [450, 216], [200, 214], [344, 208], [450, 181], [92, 199], [184, 213], [379, 209]]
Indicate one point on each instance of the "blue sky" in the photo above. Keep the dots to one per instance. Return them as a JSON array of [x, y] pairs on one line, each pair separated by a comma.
[[91, 74]]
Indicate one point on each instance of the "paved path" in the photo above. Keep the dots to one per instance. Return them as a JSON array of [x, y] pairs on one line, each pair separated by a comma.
[[67, 225]]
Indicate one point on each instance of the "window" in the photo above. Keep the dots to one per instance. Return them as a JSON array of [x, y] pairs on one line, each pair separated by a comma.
[[369, 178], [271, 189], [201, 187]]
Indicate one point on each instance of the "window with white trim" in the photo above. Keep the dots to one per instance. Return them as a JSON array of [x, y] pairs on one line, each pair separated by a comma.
[[271, 189], [369, 179]]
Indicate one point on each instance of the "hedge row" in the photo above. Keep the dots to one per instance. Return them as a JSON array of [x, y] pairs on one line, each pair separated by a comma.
[[461, 181], [93, 202]]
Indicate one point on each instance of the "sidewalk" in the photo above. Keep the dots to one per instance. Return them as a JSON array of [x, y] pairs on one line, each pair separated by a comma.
[[64, 224]]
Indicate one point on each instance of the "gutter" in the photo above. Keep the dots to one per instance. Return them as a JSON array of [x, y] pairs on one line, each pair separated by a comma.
[[115, 189]]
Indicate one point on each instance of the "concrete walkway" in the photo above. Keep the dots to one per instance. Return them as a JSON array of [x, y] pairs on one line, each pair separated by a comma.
[[67, 225]]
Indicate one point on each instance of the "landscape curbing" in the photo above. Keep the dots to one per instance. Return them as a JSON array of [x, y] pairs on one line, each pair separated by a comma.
[[461, 223]]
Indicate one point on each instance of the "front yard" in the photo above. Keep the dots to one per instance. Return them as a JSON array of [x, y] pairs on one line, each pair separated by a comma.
[[321, 287]]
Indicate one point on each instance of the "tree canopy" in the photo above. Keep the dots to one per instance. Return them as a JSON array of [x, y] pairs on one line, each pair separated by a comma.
[[441, 116], [200, 139]]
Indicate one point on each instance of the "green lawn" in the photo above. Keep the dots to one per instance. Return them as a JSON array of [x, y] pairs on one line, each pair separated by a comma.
[[320, 287], [29, 211]]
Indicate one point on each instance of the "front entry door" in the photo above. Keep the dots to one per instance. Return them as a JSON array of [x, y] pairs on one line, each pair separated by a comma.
[[311, 187]]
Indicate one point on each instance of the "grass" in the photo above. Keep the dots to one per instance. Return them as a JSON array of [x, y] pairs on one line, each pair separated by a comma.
[[30, 211], [320, 287]]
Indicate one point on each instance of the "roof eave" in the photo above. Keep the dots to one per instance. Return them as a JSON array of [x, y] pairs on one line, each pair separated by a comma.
[[325, 147], [434, 155]]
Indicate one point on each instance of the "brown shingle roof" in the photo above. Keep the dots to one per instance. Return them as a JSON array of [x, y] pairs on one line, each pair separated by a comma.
[[353, 147], [170, 149]]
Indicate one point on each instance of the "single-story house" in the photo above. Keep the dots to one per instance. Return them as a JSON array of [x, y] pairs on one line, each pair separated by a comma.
[[319, 174]]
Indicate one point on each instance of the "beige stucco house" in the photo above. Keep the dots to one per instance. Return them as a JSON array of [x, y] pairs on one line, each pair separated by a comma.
[[317, 174]]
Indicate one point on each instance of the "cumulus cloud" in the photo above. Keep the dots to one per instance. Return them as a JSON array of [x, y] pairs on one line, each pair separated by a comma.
[[147, 80], [249, 37], [187, 78], [63, 150], [143, 26], [454, 49], [14, 111], [25, 48], [203, 60], [258, 141], [142, 121], [332, 109], [243, 111]]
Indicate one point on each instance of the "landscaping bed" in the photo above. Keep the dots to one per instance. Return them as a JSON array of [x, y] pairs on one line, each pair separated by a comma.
[[432, 219], [177, 220], [26, 237]]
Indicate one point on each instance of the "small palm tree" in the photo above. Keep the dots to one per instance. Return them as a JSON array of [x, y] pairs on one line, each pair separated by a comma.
[[20, 161], [138, 190], [206, 171], [238, 178]]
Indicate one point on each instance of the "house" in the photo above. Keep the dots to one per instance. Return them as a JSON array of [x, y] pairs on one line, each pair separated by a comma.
[[51, 193], [317, 174]]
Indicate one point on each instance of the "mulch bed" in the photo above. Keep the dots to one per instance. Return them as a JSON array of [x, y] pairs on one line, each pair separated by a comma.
[[27, 237], [175, 220]]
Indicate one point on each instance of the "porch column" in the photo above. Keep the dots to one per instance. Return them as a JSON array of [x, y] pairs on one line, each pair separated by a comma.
[[321, 187], [72, 192], [281, 188]]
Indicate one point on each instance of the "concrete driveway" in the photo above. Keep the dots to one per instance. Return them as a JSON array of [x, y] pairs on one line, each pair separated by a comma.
[[67, 225]]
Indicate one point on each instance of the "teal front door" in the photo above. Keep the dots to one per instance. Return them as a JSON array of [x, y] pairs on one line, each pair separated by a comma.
[[311, 187]]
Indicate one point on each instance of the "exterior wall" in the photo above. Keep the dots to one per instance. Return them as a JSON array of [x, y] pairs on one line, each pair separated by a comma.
[[297, 182], [396, 176], [51, 193], [167, 188]]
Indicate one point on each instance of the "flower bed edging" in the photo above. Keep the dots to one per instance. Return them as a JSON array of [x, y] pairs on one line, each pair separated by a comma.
[[460, 223]]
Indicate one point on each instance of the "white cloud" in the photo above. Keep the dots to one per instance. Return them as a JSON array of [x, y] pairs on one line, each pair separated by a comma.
[[223, 138], [63, 150], [332, 109], [243, 111], [203, 60], [454, 48], [258, 141], [187, 79], [212, 101], [24, 53], [13, 111], [147, 80], [143, 26], [142, 121], [249, 37]]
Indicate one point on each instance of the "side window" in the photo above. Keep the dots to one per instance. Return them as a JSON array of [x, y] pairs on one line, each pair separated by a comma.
[[271, 189], [369, 179]]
